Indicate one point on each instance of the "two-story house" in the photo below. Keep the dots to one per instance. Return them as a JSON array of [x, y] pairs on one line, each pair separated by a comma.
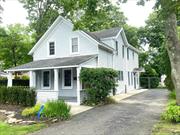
[[61, 53]]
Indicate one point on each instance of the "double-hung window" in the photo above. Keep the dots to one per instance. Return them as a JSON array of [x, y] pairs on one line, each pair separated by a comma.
[[46, 79], [123, 51], [67, 78], [116, 47], [133, 54], [128, 53], [74, 45], [51, 48], [120, 76]]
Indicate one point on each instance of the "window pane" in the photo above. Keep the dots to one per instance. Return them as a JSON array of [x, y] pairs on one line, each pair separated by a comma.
[[74, 48], [127, 53], [74, 44], [51, 48], [46, 79], [123, 51], [67, 77]]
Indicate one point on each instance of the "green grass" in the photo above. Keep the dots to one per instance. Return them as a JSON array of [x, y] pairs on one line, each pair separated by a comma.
[[6, 129], [166, 128]]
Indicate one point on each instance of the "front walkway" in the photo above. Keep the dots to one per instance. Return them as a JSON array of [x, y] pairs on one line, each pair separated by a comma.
[[135, 115]]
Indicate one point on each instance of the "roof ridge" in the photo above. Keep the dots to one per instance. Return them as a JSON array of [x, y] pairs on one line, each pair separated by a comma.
[[106, 29]]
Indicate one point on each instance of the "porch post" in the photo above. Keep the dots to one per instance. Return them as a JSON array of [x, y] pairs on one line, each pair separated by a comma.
[[9, 84], [56, 79], [32, 79], [78, 85]]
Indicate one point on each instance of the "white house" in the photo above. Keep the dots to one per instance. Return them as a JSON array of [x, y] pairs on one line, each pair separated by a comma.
[[61, 53]]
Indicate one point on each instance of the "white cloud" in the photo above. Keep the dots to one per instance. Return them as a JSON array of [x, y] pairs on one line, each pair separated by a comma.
[[15, 13]]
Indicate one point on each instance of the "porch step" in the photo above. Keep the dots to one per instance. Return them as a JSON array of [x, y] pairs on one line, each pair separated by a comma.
[[68, 99]]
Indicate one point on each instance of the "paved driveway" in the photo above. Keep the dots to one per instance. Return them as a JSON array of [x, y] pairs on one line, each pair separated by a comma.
[[133, 116]]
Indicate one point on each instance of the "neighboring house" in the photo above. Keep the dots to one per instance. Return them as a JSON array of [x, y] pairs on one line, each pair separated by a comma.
[[61, 53], [3, 74]]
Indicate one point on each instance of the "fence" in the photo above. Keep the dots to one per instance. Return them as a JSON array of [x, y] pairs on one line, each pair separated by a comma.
[[16, 82], [149, 82]]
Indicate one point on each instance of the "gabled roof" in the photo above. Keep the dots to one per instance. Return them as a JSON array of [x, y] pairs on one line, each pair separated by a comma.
[[53, 63], [97, 36]]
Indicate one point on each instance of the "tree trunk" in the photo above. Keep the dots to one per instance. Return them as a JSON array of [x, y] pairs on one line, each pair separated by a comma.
[[173, 48]]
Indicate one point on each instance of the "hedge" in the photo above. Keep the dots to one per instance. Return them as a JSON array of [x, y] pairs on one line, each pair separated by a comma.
[[99, 83], [17, 95], [16, 82]]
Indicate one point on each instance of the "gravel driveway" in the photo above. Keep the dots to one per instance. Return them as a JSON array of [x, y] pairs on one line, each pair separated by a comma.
[[135, 115]]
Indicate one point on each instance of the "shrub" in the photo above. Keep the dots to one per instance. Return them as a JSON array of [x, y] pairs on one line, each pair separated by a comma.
[[172, 112], [172, 95], [16, 82], [99, 82], [31, 111], [17, 96], [58, 109], [53, 109]]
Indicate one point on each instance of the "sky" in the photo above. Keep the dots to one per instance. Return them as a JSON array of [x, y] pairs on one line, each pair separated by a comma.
[[15, 13]]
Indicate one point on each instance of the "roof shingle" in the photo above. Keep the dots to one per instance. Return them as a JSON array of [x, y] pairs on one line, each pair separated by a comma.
[[57, 62]]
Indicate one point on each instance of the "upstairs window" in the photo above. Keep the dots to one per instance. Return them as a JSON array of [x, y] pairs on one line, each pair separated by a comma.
[[117, 47], [133, 54], [128, 53], [74, 45], [51, 48], [123, 51]]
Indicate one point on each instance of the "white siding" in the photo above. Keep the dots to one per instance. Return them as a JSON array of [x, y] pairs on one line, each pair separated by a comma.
[[61, 35], [120, 63], [105, 59]]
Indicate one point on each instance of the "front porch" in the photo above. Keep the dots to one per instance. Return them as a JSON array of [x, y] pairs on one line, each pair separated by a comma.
[[54, 84]]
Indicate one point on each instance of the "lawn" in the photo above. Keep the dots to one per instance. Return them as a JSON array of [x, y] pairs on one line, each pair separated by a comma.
[[6, 129], [166, 128]]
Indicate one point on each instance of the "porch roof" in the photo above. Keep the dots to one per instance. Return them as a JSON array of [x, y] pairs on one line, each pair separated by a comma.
[[53, 63]]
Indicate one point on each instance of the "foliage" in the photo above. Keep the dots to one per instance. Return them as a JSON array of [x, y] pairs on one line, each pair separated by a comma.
[[172, 112], [132, 34], [7, 129], [166, 128], [15, 42], [31, 111], [172, 95], [99, 82], [25, 77], [90, 15], [151, 74], [17, 96], [16, 82], [58, 109], [53, 109], [169, 84]]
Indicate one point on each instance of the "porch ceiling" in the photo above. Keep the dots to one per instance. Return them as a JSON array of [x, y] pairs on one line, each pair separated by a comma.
[[53, 63]]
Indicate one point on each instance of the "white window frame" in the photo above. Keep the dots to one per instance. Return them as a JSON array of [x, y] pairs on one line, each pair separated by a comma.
[[67, 87], [71, 45], [48, 49], [42, 76]]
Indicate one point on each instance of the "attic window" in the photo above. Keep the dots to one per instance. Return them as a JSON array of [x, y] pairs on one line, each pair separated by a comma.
[[74, 45], [51, 48]]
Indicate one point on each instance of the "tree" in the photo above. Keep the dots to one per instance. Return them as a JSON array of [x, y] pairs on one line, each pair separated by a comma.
[[15, 42], [169, 10], [88, 15]]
